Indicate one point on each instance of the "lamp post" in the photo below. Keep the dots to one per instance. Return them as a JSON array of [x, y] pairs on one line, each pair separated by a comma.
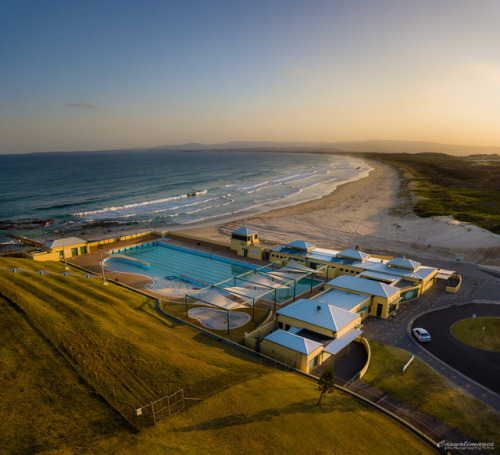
[[64, 254], [102, 265]]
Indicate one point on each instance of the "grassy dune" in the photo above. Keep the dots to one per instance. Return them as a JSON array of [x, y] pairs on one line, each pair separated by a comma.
[[421, 387], [466, 189], [140, 356]]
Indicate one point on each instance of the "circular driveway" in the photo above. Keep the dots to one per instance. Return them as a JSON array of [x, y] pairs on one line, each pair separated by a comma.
[[481, 366]]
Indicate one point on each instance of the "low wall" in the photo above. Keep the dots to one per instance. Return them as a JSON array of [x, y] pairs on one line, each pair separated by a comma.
[[250, 339], [456, 288], [365, 343], [196, 238]]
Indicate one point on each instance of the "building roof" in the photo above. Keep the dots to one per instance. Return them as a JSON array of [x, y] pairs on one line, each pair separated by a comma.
[[65, 242], [340, 343], [244, 231], [420, 274], [341, 299], [319, 314], [403, 263], [300, 245], [293, 342], [353, 254], [364, 286], [380, 276]]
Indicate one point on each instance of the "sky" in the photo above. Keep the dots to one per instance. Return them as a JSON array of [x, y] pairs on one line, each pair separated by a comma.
[[95, 75]]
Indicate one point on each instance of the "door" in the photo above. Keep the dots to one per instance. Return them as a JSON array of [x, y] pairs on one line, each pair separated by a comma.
[[380, 307]]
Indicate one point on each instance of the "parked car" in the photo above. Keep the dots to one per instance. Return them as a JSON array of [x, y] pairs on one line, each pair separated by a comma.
[[421, 335]]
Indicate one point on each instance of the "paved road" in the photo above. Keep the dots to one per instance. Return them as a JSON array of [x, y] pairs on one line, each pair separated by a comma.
[[482, 366], [477, 285]]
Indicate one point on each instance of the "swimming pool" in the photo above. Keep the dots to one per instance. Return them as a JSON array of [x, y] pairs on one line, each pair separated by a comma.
[[176, 271]]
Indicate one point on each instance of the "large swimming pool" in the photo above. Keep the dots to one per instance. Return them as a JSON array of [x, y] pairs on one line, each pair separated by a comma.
[[176, 271]]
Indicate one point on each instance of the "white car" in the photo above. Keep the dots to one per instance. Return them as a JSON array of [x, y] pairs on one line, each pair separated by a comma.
[[421, 335]]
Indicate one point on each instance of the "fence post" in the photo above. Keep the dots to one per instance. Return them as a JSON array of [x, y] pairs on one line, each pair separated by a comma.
[[153, 411]]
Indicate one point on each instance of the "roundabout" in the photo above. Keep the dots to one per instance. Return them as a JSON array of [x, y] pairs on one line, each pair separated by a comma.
[[481, 365]]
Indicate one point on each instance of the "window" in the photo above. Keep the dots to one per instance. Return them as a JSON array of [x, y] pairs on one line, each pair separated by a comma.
[[287, 327], [280, 325]]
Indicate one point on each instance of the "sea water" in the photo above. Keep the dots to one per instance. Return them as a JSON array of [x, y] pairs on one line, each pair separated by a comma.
[[161, 188]]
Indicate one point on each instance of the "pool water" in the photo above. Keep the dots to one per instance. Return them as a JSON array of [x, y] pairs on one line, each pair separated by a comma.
[[176, 271]]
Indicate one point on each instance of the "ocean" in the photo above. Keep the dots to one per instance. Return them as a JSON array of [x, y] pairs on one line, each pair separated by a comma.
[[79, 191]]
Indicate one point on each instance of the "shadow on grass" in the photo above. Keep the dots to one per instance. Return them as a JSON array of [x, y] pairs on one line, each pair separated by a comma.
[[304, 407]]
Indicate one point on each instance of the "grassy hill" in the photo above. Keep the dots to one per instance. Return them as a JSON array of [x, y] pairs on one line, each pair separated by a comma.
[[128, 353]]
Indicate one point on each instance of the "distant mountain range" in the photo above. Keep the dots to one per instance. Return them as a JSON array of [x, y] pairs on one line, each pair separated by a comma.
[[354, 146]]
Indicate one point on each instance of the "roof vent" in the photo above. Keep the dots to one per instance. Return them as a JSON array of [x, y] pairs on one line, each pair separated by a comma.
[[318, 308]]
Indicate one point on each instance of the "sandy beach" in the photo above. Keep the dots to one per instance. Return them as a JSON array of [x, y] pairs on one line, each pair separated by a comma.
[[374, 214]]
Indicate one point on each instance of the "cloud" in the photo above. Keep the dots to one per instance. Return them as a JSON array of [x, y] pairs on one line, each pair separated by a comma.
[[85, 106], [298, 68]]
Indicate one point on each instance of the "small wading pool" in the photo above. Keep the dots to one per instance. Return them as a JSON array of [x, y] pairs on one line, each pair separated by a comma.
[[175, 271], [217, 319]]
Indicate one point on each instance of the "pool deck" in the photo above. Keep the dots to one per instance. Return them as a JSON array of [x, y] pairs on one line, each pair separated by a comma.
[[91, 263]]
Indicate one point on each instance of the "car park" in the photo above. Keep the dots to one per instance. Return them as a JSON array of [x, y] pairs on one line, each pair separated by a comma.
[[421, 335]]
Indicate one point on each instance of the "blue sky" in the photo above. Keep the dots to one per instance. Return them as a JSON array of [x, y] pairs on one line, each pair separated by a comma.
[[88, 75]]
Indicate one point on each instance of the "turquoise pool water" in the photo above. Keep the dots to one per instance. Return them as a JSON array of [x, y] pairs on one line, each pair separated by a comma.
[[176, 271]]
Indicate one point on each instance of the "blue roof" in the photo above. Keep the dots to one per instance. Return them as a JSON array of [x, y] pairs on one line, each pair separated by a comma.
[[353, 254], [300, 245], [244, 231], [364, 286], [342, 299], [293, 342], [319, 314], [403, 263]]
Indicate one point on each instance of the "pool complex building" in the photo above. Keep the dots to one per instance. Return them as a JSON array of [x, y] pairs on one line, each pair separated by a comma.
[[177, 271]]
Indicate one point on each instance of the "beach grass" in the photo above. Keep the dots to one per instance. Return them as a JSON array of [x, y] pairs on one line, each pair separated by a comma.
[[423, 388], [444, 185], [117, 342], [482, 333]]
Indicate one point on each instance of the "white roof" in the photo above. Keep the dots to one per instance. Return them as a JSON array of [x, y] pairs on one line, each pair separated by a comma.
[[216, 298], [295, 267], [342, 299], [364, 286], [293, 342], [319, 314], [340, 343], [63, 242]]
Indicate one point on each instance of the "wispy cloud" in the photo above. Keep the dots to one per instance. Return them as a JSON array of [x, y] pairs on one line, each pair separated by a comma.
[[298, 68], [83, 105]]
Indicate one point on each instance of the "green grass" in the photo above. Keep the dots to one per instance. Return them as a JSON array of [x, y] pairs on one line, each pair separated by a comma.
[[142, 356], [453, 186], [470, 331], [421, 387]]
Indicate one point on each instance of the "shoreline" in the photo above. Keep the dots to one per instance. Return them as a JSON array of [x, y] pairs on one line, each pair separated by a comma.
[[373, 213]]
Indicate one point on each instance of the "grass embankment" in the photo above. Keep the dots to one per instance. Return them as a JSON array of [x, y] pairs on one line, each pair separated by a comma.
[[246, 407], [470, 331], [422, 388], [453, 186]]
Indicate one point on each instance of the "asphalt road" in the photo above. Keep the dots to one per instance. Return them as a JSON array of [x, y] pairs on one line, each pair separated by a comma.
[[481, 366]]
